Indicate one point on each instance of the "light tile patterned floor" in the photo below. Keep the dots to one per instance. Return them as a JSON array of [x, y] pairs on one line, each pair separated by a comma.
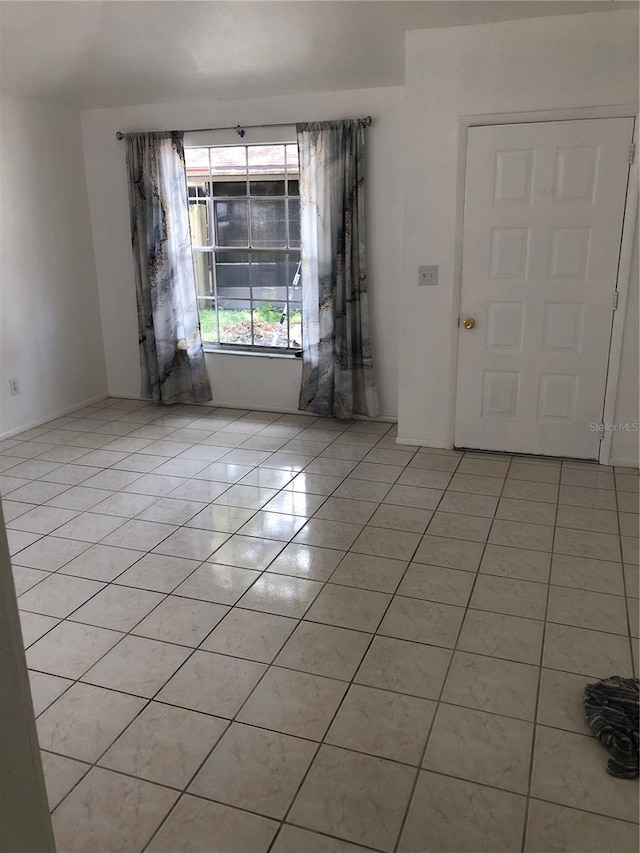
[[250, 632]]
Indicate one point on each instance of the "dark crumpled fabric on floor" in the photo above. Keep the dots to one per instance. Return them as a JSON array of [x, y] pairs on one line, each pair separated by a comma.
[[611, 706]]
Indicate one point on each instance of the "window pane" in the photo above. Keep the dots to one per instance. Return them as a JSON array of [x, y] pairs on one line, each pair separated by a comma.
[[233, 256], [293, 188], [232, 275], [198, 223], [235, 188], [198, 189], [229, 161], [204, 282], [231, 223], [273, 269], [292, 159], [275, 295], [206, 298], [208, 325], [269, 188], [294, 222], [266, 159], [272, 329], [268, 223], [292, 272], [295, 326], [235, 322], [196, 161], [268, 331]]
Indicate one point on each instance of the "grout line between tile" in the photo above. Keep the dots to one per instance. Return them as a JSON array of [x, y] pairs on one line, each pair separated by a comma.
[[351, 476], [532, 753]]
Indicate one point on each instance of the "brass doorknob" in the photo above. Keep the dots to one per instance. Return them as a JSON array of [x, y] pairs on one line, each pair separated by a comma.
[[468, 322]]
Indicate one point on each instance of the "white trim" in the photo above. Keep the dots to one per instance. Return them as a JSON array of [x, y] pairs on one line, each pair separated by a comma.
[[59, 414], [214, 350], [418, 442], [282, 135], [251, 407], [115, 396], [622, 286], [386, 419], [624, 270], [623, 462], [567, 114]]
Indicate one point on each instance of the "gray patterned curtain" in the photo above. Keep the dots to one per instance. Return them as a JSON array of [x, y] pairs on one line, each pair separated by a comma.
[[337, 371], [171, 356]]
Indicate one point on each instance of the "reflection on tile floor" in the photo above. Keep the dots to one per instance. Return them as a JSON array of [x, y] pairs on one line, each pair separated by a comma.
[[250, 632]]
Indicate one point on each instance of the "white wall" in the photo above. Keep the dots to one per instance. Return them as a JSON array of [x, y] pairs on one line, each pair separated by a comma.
[[555, 63], [238, 380], [624, 446], [24, 810], [50, 331]]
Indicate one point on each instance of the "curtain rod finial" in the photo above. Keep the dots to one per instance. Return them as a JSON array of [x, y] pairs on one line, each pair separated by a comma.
[[119, 135]]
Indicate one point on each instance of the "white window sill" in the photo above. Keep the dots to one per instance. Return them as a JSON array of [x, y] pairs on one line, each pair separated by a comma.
[[221, 351]]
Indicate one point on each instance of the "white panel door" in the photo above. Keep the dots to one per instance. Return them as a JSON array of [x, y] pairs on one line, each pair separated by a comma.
[[544, 205]]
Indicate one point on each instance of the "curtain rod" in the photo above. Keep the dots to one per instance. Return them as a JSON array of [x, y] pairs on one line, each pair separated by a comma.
[[240, 128]]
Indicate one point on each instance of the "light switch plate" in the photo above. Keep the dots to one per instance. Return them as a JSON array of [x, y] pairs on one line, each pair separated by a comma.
[[428, 275]]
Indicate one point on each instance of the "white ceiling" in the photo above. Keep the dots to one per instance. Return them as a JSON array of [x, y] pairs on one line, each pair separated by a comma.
[[101, 53]]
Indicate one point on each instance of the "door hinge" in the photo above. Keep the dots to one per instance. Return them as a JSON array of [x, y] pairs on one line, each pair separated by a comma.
[[632, 153], [616, 296]]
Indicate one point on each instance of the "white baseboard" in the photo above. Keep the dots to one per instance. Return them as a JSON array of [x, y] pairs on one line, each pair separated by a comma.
[[251, 407], [214, 404], [620, 461], [624, 462], [60, 413], [419, 442]]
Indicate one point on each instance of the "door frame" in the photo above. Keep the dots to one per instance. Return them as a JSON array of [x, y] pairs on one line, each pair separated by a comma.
[[626, 250]]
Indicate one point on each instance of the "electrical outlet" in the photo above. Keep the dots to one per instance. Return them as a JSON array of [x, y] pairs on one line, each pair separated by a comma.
[[428, 275], [14, 387]]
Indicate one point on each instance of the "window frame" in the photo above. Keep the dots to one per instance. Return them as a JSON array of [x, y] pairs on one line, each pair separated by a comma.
[[291, 254]]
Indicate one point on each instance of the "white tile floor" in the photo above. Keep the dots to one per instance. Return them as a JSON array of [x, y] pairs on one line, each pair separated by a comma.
[[250, 632]]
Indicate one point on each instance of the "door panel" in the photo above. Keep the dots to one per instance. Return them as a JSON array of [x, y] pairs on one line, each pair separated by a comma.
[[544, 205]]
